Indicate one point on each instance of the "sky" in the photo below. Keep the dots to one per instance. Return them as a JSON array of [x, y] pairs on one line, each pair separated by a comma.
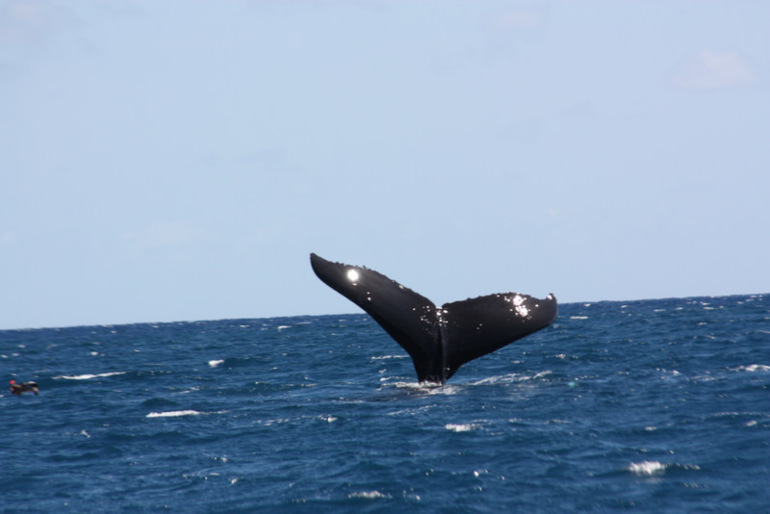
[[179, 160]]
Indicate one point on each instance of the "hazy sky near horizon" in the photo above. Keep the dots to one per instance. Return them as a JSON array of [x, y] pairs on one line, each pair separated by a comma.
[[179, 160]]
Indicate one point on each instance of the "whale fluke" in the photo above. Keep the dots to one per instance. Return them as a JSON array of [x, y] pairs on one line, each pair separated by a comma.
[[439, 339]]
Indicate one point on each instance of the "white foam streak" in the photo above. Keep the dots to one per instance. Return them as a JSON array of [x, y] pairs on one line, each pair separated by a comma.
[[369, 495], [511, 378], [173, 414], [89, 376], [418, 386], [386, 357]]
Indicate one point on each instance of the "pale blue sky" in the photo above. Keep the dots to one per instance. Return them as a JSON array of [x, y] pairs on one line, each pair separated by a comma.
[[170, 161]]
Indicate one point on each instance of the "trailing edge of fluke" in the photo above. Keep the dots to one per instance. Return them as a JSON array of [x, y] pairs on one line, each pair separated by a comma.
[[439, 339]]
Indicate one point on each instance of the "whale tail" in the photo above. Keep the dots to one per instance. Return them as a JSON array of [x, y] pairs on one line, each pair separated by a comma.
[[438, 339]]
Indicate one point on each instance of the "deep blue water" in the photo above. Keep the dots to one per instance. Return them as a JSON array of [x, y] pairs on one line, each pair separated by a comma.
[[647, 406]]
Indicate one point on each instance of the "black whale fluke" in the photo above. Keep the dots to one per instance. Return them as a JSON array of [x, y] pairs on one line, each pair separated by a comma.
[[439, 339]]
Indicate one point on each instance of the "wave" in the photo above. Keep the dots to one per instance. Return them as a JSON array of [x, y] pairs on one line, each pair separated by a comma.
[[655, 468], [751, 368], [89, 376], [647, 468], [461, 427], [427, 388], [369, 495], [174, 414], [511, 378], [432, 388], [417, 386]]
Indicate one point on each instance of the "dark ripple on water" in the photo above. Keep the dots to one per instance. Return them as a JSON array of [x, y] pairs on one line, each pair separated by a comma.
[[655, 406]]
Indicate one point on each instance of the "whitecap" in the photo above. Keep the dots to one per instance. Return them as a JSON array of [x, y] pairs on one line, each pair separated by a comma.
[[368, 495], [385, 357], [502, 379], [215, 363], [578, 317], [444, 389], [418, 386], [271, 422], [89, 376], [173, 414], [751, 368], [647, 467], [410, 411], [511, 378], [424, 388], [461, 427]]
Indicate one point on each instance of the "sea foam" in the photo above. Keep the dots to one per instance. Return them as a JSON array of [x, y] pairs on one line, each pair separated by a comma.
[[647, 467], [173, 414], [89, 376]]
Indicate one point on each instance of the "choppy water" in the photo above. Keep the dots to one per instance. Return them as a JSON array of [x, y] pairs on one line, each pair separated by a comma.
[[649, 406]]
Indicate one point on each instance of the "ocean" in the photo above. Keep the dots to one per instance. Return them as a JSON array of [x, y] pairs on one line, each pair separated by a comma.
[[642, 406]]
